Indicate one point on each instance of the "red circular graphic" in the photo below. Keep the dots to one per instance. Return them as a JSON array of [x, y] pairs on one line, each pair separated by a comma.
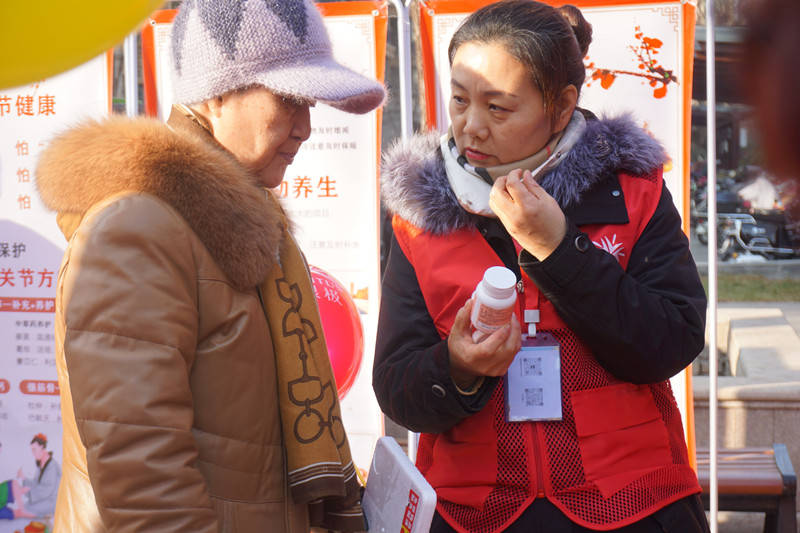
[[344, 335]]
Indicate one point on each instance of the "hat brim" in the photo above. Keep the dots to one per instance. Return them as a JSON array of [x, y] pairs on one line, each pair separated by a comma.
[[326, 81]]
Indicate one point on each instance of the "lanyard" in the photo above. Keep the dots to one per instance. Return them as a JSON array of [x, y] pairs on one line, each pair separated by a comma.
[[528, 298]]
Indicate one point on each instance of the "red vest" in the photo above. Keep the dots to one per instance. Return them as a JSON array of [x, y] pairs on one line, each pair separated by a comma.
[[619, 453]]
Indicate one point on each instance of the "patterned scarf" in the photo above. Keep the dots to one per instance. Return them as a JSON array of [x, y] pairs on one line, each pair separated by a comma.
[[321, 471], [471, 185]]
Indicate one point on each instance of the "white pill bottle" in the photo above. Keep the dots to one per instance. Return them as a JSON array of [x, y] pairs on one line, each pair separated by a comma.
[[494, 300]]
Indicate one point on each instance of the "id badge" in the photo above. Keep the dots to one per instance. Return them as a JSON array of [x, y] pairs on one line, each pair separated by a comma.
[[533, 381]]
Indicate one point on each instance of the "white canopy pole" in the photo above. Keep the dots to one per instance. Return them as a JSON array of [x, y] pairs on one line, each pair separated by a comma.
[[404, 65], [406, 117], [711, 183], [131, 67]]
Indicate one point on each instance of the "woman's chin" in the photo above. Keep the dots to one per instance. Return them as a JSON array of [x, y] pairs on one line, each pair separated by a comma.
[[482, 162], [271, 176]]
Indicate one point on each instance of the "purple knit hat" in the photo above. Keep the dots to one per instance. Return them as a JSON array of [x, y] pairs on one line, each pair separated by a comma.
[[222, 45]]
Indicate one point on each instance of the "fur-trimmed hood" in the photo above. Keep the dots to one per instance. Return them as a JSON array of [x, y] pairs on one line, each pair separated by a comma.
[[414, 184], [237, 220]]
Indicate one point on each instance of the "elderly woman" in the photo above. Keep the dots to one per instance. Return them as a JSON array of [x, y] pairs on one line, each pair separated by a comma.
[[187, 330], [608, 295]]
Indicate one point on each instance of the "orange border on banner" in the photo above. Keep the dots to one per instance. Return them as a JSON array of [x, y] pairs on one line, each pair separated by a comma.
[[110, 74], [688, 77], [429, 8], [164, 16]]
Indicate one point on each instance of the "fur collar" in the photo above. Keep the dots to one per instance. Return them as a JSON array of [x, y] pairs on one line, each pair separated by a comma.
[[414, 184], [239, 223]]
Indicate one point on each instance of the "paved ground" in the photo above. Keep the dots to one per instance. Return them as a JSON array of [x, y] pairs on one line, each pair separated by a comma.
[[730, 522]]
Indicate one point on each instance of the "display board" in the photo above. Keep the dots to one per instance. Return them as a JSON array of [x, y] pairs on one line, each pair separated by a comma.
[[330, 190], [31, 248]]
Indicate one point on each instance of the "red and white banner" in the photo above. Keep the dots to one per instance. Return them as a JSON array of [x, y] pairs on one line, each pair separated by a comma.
[[31, 248]]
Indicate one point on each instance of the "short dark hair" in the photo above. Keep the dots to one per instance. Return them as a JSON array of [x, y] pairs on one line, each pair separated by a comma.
[[550, 42], [40, 439]]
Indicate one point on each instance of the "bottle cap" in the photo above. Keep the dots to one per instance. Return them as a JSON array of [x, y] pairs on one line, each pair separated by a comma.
[[499, 282]]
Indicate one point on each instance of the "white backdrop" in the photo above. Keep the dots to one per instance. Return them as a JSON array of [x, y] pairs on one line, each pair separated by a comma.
[[31, 247]]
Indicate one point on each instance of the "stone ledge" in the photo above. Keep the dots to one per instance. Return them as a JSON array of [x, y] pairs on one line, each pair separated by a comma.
[[742, 389], [765, 348]]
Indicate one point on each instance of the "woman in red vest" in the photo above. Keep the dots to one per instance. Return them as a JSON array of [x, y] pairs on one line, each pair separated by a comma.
[[576, 206]]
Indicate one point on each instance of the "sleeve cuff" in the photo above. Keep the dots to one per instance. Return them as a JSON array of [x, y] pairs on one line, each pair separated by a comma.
[[468, 401], [565, 263], [473, 389]]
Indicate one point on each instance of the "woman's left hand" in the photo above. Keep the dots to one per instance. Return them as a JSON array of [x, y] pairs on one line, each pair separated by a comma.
[[528, 212]]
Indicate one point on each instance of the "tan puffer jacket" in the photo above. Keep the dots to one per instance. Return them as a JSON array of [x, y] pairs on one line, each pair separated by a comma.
[[164, 355]]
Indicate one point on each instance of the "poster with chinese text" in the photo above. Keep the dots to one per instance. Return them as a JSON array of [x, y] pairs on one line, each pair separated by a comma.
[[31, 248]]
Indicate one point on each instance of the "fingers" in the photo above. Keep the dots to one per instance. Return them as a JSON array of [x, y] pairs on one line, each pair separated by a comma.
[[529, 185], [499, 198], [496, 340], [518, 188], [461, 323], [501, 346], [489, 357], [514, 186]]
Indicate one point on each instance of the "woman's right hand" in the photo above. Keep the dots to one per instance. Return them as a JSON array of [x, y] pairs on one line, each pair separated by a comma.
[[490, 357]]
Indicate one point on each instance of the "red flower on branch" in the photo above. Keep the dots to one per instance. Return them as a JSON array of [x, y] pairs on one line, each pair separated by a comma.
[[649, 67]]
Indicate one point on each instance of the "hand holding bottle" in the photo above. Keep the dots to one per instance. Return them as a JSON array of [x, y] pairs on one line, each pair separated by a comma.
[[490, 357]]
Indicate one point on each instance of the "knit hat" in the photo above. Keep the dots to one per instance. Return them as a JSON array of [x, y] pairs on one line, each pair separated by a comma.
[[222, 45]]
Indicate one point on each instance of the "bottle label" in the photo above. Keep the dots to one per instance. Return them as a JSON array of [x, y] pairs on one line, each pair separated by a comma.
[[489, 319]]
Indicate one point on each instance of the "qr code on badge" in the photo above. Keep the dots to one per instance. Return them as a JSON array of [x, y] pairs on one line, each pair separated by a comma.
[[531, 366], [534, 397]]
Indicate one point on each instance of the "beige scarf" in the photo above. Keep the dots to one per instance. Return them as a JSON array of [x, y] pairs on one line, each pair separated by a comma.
[[471, 185], [321, 471]]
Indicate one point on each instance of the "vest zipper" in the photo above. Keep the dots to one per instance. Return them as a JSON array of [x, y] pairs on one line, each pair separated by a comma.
[[538, 459], [523, 296]]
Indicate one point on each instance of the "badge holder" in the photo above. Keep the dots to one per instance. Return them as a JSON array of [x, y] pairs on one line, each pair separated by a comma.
[[533, 381]]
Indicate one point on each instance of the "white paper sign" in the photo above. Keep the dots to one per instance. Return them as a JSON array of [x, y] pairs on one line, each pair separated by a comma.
[[31, 249], [533, 381]]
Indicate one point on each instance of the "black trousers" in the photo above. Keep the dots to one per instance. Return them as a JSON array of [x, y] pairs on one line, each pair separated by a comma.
[[683, 516]]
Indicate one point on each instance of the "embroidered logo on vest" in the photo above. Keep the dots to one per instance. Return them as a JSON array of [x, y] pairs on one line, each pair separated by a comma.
[[611, 246]]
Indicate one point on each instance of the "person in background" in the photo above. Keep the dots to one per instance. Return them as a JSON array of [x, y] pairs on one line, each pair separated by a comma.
[[576, 207], [40, 496], [196, 390], [771, 82]]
